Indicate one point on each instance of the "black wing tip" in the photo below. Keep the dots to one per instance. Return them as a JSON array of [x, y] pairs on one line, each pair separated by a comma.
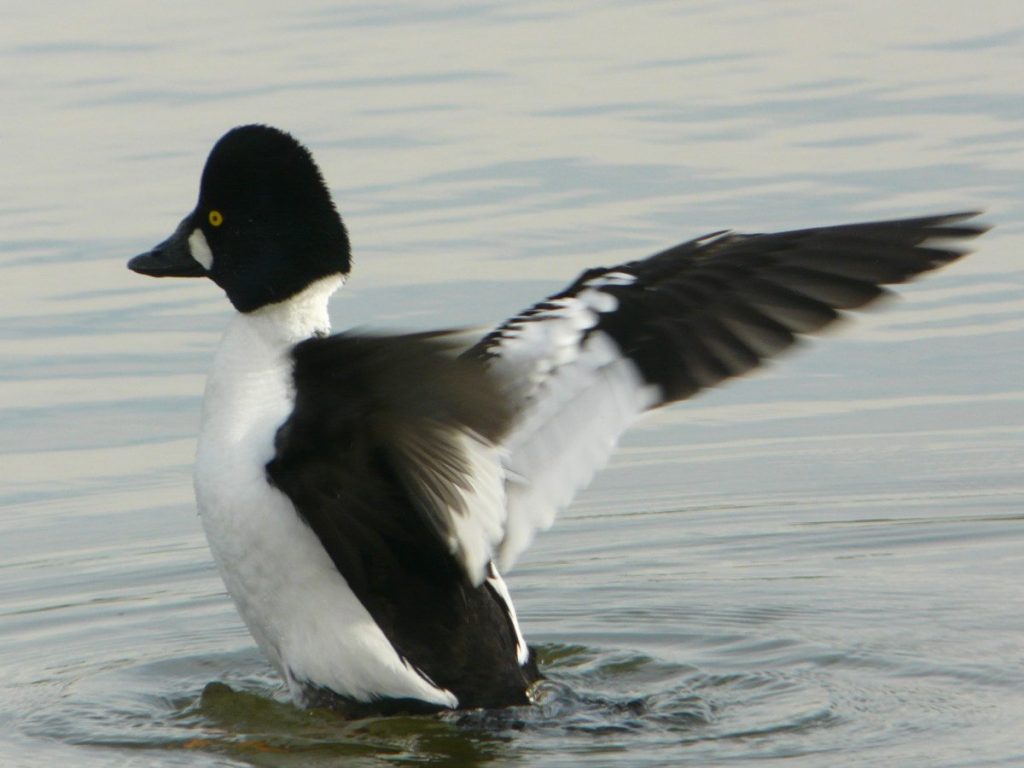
[[946, 218], [918, 244], [949, 226], [943, 225]]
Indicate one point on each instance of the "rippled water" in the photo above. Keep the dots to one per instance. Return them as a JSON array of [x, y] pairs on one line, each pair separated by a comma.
[[821, 565]]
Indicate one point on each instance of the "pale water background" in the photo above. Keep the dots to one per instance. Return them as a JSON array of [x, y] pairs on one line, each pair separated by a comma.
[[822, 565]]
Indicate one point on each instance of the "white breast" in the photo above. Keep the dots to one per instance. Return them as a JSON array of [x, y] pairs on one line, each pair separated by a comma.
[[297, 605]]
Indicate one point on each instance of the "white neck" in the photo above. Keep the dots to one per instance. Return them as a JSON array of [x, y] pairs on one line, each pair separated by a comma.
[[292, 320], [261, 337], [251, 376]]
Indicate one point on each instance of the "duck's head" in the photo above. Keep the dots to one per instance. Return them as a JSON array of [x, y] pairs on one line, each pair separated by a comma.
[[264, 228]]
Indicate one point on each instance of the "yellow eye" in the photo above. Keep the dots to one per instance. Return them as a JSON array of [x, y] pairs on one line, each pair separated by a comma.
[[216, 218]]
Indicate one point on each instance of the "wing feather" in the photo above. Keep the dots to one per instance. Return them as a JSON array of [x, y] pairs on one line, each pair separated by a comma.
[[581, 365], [393, 443], [459, 461]]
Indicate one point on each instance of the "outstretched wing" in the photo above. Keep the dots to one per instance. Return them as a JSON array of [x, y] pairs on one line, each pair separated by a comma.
[[407, 460], [580, 366]]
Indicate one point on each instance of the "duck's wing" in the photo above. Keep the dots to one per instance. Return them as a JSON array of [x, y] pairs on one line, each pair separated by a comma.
[[391, 455], [581, 365], [405, 459]]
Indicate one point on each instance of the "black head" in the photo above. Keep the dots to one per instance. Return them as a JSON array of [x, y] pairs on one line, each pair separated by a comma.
[[264, 227]]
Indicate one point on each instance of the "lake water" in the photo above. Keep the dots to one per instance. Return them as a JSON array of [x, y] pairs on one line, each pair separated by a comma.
[[822, 565]]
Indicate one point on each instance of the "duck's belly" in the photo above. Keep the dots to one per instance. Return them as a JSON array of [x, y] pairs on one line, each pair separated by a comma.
[[296, 604]]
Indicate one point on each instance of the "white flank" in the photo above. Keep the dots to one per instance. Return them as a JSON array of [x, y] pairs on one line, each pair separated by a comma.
[[297, 605], [495, 580]]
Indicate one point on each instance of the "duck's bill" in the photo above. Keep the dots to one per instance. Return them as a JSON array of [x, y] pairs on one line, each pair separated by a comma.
[[171, 258]]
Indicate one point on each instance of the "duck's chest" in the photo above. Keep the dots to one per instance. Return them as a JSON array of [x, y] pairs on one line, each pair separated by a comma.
[[239, 507], [257, 539], [297, 605], [272, 563]]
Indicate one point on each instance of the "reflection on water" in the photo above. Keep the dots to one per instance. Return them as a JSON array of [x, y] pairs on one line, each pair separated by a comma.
[[821, 564]]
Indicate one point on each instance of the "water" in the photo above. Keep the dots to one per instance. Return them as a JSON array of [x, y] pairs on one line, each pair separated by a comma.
[[820, 565]]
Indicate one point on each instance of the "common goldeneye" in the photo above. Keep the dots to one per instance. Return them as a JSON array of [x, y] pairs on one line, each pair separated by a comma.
[[363, 493]]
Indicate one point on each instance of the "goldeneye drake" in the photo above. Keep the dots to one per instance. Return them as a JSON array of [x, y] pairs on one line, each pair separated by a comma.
[[362, 494]]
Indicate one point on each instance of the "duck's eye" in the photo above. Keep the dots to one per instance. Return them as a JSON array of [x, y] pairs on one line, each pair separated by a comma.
[[216, 218]]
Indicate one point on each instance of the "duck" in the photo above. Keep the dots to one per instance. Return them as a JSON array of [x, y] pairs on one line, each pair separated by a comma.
[[363, 493]]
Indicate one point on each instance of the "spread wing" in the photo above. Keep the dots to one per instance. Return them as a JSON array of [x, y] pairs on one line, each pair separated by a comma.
[[406, 459], [580, 366]]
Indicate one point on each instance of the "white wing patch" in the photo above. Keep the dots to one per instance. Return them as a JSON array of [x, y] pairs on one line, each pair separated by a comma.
[[576, 394], [477, 531], [536, 345], [570, 427]]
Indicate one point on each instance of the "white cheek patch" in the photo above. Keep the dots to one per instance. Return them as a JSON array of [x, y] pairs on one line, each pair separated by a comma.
[[200, 249]]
